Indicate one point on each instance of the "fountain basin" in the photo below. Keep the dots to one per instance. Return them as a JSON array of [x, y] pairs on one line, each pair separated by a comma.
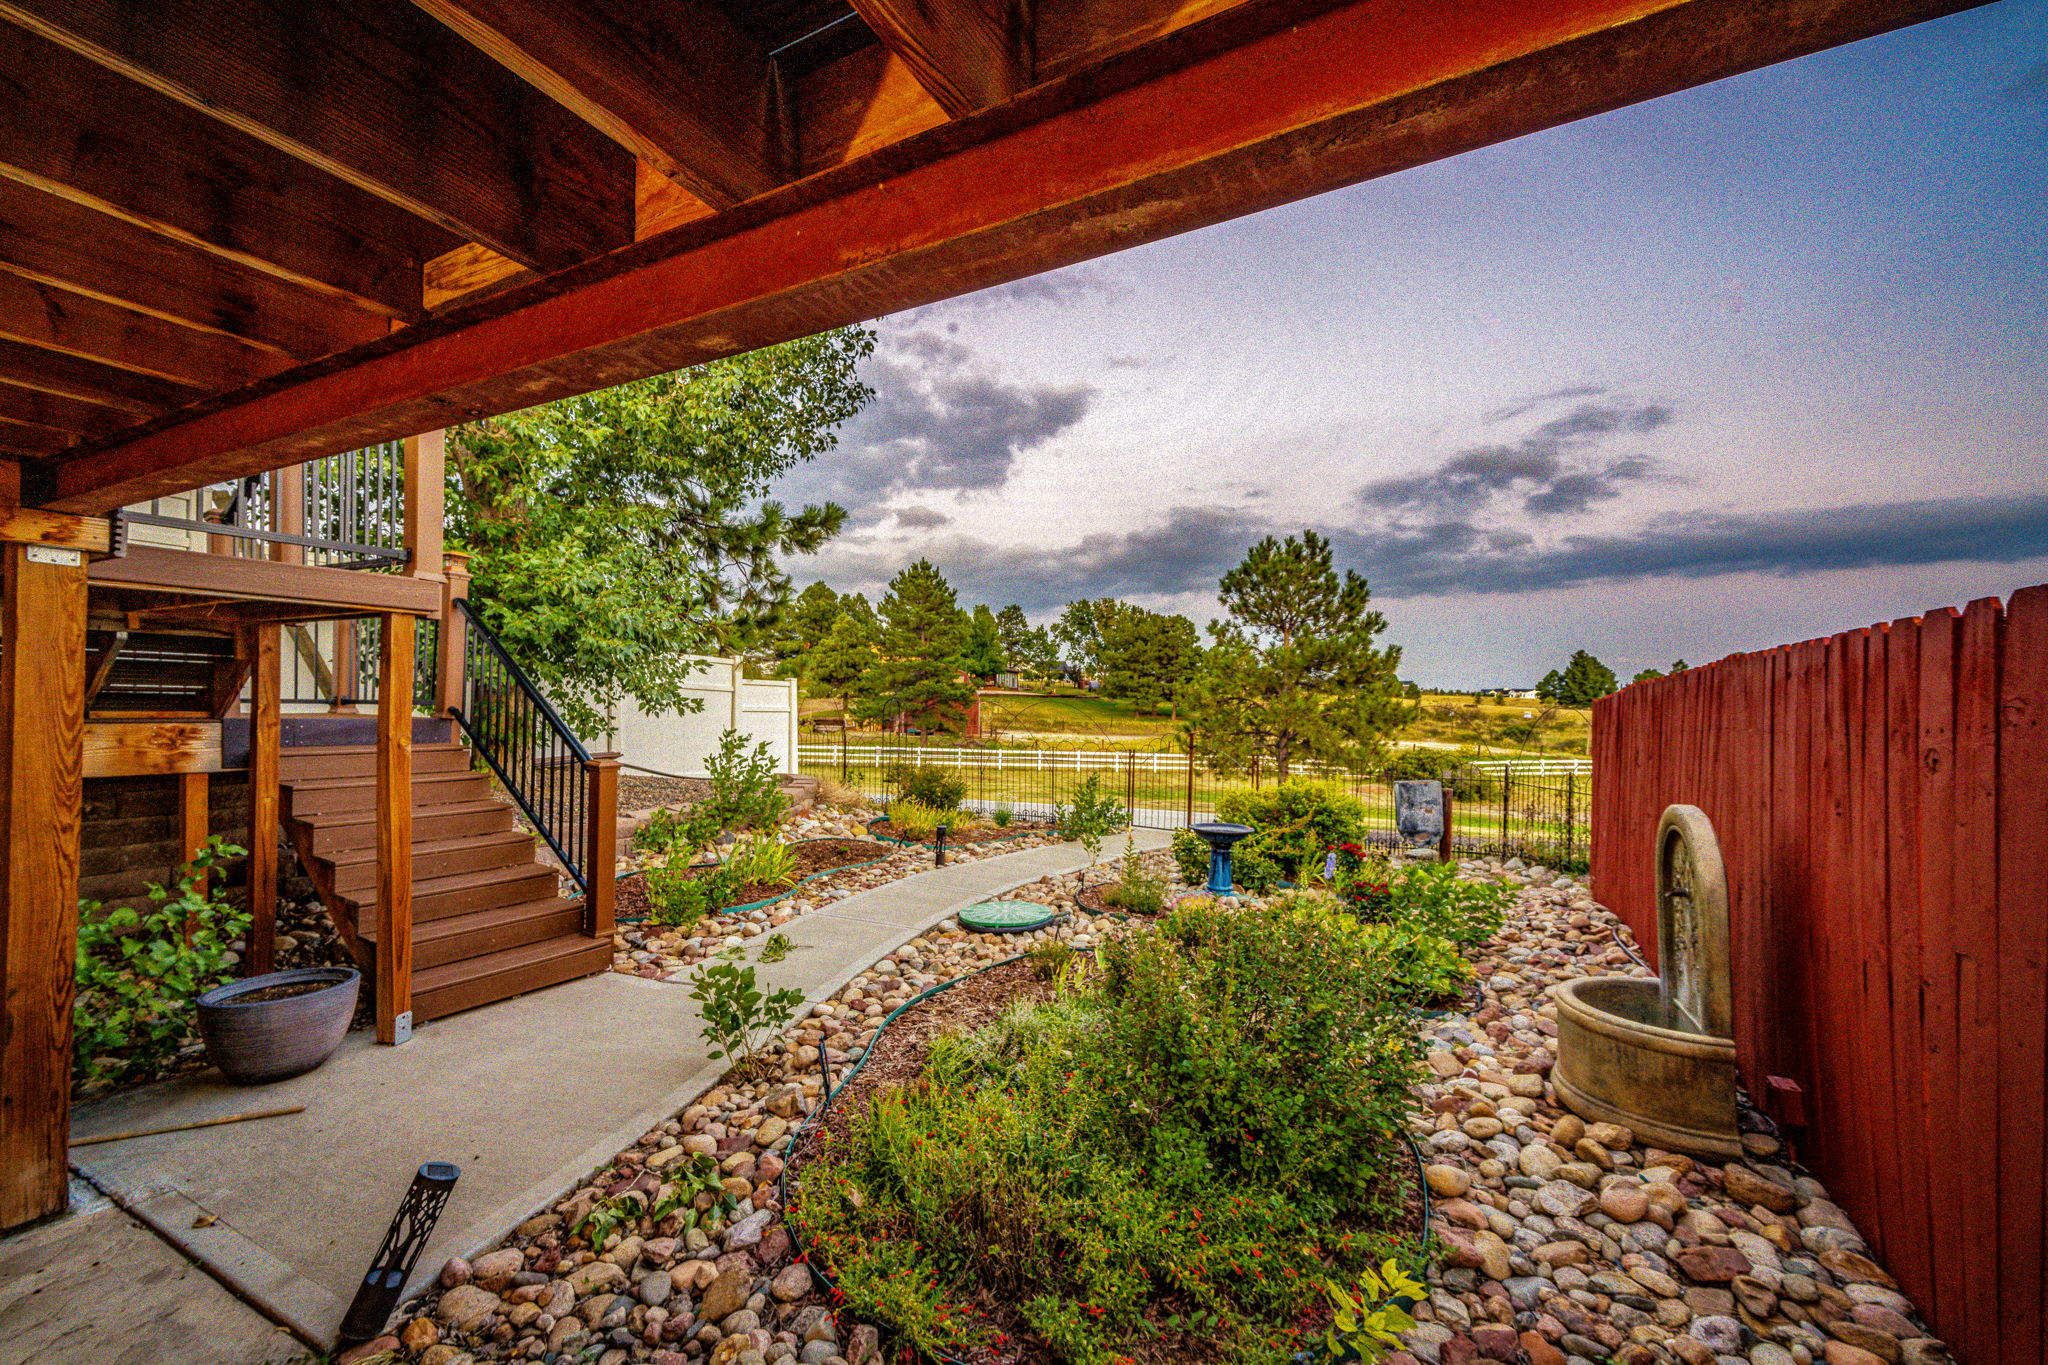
[[1620, 1060]]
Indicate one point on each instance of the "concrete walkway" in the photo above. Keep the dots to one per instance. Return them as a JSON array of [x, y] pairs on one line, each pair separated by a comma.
[[527, 1096]]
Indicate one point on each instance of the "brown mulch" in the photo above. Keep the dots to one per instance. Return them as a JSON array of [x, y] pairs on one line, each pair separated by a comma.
[[818, 855], [898, 1054], [956, 837], [645, 793]]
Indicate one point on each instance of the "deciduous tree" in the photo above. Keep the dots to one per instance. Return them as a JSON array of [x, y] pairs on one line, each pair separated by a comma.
[[614, 533], [983, 651], [1148, 658]]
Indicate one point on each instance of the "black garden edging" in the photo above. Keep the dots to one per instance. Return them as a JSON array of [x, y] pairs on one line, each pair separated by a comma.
[[825, 1283]]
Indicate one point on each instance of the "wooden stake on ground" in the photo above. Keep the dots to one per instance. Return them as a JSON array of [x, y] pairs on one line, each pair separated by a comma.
[[196, 1123]]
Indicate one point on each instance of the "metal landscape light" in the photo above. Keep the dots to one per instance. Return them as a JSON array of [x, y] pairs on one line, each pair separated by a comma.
[[1221, 838], [404, 1240], [939, 845]]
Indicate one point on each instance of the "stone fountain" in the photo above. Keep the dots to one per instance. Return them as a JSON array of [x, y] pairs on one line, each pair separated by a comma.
[[1657, 1055]]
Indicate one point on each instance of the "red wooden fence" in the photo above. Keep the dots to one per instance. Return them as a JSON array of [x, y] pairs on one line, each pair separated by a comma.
[[1881, 798]]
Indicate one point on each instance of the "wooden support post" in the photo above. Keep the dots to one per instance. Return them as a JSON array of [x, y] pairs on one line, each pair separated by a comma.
[[394, 829], [347, 666], [193, 821], [601, 844], [425, 496], [266, 738], [288, 511], [42, 729], [454, 638]]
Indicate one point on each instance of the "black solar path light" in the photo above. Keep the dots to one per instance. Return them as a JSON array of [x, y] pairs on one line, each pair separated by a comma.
[[404, 1240]]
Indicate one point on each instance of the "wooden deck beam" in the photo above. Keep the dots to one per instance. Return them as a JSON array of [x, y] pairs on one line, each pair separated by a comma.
[[1159, 140], [967, 54], [264, 580]]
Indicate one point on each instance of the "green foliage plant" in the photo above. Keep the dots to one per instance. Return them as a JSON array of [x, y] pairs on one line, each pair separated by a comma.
[[678, 897], [1191, 857], [1433, 898], [1049, 958], [915, 820], [744, 791], [1002, 817], [1296, 823], [763, 861], [1366, 1322], [138, 972], [675, 837], [776, 948], [940, 788], [1137, 890], [1177, 1152], [1091, 816], [739, 1014]]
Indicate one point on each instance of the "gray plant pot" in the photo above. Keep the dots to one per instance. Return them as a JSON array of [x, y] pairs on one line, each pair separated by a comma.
[[257, 1041]]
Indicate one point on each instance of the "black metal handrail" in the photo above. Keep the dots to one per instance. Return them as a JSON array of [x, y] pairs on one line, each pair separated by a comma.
[[543, 767]]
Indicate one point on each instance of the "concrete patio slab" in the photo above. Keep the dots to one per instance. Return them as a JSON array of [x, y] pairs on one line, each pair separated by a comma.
[[527, 1096], [149, 1304]]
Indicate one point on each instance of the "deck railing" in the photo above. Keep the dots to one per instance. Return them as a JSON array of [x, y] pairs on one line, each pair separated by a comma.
[[343, 511]]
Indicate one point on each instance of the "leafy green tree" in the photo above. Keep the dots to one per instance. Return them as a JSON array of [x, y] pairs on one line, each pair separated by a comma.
[[1584, 681], [919, 659], [984, 653], [1079, 634], [1647, 674], [1016, 632], [614, 533], [843, 658], [1148, 657], [1680, 666], [1295, 675]]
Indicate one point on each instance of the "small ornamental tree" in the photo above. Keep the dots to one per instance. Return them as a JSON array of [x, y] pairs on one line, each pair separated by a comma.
[[919, 660], [1295, 675]]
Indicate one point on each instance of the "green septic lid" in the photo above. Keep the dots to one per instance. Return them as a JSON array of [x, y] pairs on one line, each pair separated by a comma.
[[1005, 917]]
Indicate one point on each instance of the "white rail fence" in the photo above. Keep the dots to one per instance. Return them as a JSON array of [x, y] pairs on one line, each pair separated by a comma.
[[1151, 762]]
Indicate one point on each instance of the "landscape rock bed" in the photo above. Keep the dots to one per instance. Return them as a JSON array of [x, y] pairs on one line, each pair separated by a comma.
[[727, 1295], [658, 954], [1568, 1243]]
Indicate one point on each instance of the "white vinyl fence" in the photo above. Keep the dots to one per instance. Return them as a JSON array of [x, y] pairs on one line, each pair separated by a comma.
[[762, 709]]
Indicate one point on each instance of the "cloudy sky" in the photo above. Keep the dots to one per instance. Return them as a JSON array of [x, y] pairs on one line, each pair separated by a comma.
[[1753, 363]]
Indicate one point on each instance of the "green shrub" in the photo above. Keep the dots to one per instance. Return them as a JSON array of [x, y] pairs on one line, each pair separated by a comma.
[[679, 838], [138, 975], [1180, 1153], [739, 1017], [1297, 821], [1191, 856], [1433, 898], [1003, 816], [678, 897], [745, 792], [1367, 1322], [1421, 967], [1049, 958], [940, 788], [1412, 765], [915, 820], [1254, 867], [1092, 816], [1137, 890]]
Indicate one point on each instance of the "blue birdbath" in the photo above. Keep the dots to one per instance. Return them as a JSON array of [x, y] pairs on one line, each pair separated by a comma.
[[1220, 839]]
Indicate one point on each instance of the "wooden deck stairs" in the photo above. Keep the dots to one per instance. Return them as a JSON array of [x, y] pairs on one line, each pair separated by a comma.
[[489, 921]]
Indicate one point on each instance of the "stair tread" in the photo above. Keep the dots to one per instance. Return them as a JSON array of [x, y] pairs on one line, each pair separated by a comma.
[[330, 750], [331, 784], [331, 819], [507, 959], [458, 926], [464, 881], [357, 857]]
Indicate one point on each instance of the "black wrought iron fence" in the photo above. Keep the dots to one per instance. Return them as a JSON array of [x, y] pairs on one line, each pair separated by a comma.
[[335, 663], [1539, 811]]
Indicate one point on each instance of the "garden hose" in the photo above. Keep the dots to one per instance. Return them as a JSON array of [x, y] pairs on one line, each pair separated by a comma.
[[825, 1283]]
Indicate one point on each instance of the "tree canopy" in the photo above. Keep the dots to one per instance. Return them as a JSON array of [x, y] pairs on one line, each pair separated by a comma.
[[919, 658], [1295, 675], [983, 652], [1148, 657], [1583, 681], [614, 533], [1079, 634]]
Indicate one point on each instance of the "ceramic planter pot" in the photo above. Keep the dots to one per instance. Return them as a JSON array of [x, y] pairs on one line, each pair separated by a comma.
[[271, 1027]]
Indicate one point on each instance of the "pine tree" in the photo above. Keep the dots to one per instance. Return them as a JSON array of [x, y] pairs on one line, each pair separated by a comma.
[[984, 651], [1148, 658], [841, 659], [1584, 681], [805, 624], [1295, 675], [1015, 630], [916, 673], [1547, 690]]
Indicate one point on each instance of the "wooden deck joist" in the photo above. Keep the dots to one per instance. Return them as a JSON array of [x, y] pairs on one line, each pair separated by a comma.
[[1156, 140]]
